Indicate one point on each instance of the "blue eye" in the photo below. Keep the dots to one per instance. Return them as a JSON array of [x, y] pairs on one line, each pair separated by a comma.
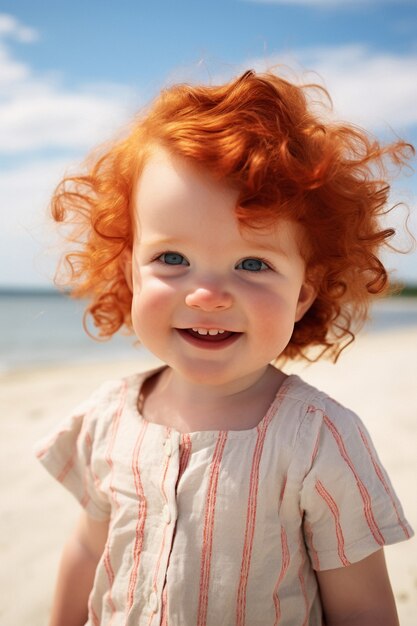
[[173, 258], [252, 265]]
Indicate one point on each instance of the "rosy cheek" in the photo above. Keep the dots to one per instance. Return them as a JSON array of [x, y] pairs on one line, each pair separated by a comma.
[[274, 311], [153, 294]]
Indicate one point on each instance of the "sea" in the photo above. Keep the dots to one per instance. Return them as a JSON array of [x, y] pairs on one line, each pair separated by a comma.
[[46, 328]]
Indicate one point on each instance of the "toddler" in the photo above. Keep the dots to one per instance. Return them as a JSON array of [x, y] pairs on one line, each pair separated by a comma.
[[231, 229]]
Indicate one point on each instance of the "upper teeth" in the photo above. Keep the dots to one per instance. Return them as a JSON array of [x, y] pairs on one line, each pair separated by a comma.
[[204, 331]]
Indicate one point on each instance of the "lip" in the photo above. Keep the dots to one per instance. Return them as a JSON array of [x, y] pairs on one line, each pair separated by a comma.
[[207, 344]]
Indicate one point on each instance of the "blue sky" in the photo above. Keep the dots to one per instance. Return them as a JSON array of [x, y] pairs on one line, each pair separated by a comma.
[[71, 73]]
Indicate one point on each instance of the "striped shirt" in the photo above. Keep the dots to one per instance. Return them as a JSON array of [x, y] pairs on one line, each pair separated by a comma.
[[223, 528]]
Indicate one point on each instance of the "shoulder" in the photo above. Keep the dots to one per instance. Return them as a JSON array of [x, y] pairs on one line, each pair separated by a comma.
[[313, 411], [112, 394], [114, 399], [91, 419], [317, 428], [312, 398]]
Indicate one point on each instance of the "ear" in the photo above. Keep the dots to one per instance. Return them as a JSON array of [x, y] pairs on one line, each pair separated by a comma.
[[125, 260], [306, 298]]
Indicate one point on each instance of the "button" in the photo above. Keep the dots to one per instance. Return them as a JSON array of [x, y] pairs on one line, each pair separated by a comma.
[[153, 602], [166, 514], [168, 447]]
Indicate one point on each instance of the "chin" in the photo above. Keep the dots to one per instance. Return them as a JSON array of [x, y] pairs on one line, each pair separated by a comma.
[[210, 374]]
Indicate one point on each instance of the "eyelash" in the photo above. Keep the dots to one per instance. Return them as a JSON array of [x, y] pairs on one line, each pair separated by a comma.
[[163, 254], [159, 259], [264, 261]]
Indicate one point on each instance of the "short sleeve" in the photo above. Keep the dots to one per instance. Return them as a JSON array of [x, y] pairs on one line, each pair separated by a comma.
[[349, 506], [74, 457]]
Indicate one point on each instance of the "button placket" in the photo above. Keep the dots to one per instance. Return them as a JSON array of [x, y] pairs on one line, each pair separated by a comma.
[[168, 450], [170, 467]]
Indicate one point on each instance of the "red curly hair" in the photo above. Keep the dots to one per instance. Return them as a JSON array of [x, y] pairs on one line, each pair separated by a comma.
[[259, 132]]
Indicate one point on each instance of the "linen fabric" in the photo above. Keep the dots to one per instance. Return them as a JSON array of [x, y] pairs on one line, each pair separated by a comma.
[[223, 528]]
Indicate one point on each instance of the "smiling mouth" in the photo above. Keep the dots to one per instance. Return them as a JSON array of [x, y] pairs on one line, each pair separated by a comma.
[[208, 336]]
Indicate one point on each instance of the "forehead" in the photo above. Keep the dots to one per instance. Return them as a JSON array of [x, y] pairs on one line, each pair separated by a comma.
[[179, 199], [168, 179]]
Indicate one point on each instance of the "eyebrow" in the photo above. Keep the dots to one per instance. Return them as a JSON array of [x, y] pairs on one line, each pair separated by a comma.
[[268, 248], [179, 241], [162, 241]]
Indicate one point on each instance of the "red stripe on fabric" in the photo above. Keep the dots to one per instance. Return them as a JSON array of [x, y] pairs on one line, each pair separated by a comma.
[[141, 516], [313, 409], [112, 440], [285, 563], [93, 614], [366, 499], [97, 481], [51, 442], [335, 512], [185, 453], [164, 610], [109, 460], [110, 576], [70, 462], [210, 511], [379, 473], [86, 497], [67, 467], [251, 509], [41, 453], [88, 440]]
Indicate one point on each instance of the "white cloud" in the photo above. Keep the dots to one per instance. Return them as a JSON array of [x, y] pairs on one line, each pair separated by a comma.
[[11, 27], [373, 89], [37, 112], [11, 71], [39, 115], [25, 232]]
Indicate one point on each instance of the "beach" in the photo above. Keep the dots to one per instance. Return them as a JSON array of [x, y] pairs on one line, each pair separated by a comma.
[[376, 377]]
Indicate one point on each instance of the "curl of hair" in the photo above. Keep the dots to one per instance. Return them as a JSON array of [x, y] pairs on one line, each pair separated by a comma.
[[258, 132]]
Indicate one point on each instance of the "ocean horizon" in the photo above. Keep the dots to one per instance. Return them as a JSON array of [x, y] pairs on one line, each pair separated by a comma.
[[43, 328]]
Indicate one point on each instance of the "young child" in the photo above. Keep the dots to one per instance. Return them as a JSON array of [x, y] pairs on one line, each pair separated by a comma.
[[231, 227]]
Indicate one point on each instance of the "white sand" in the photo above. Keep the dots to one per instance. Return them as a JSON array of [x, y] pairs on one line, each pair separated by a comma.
[[377, 378]]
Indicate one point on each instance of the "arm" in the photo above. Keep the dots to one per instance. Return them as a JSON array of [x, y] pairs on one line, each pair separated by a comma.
[[358, 595], [76, 573]]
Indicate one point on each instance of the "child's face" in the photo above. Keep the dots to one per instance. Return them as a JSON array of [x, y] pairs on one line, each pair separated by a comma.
[[214, 302]]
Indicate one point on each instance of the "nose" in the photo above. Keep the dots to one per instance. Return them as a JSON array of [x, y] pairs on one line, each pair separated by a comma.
[[208, 299]]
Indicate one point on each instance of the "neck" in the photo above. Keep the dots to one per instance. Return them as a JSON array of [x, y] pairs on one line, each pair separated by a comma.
[[188, 406], [190, 391]]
